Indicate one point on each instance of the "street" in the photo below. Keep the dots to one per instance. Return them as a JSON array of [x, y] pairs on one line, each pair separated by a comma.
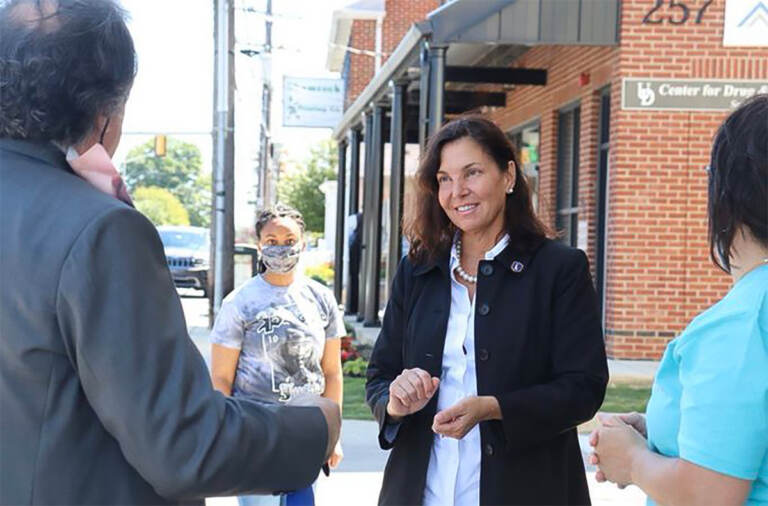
[[357, 480]]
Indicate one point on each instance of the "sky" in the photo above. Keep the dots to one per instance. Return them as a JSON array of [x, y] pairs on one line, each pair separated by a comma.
[[173, 90]]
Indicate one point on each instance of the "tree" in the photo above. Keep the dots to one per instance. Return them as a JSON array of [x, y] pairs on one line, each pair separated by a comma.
[[300, 188], [179, 172], [160, 206]]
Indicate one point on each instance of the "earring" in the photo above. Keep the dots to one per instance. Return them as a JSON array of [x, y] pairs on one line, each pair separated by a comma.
[[510, 190]]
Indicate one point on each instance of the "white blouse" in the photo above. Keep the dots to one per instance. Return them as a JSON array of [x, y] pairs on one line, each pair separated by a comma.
[[453, 475]]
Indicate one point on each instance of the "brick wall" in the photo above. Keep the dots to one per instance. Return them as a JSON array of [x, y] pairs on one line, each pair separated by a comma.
[[400, 15], [659, 275], [361, 66]]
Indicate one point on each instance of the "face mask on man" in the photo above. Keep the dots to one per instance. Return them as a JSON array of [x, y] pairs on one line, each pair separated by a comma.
[[281, 259], [96, 167]]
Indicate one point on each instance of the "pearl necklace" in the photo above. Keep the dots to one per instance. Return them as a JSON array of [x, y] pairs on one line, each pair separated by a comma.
[[459, 269]]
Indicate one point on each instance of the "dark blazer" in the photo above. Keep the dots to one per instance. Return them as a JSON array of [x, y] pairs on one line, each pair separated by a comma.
[[104, 399], [539, 351]]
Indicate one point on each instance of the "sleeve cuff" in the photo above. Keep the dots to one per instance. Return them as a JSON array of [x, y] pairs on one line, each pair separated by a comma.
[[719, 464]]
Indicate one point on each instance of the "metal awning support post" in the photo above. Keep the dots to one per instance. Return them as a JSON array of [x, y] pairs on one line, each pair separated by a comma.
[[367, 171], [397, 175], [436, 86], [353, 274], [374, 222], [338, 257], [423, 97]]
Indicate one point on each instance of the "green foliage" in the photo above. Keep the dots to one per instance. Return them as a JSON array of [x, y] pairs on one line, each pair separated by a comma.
[[160, 206], [321, 272], [354, 407], [300, 187], [624, 398], [355, 368], [349, 328], [179, 172]]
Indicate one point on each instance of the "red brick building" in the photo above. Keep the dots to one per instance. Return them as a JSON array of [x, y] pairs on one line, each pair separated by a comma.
[[614, 140]]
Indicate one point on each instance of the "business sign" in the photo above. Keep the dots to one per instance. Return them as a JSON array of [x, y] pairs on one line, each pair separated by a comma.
[[310, 102], [746, 23], [687, 94]]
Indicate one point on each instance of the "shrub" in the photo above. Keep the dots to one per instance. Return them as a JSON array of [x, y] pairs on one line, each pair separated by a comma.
[[322, 273], [356, 367], [348, 349]]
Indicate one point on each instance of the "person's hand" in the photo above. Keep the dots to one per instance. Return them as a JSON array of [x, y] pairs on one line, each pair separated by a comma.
[[637, 421], [634, 419], [410, 392], [616, 445], [336, 456], [460, 418], [332, 415]]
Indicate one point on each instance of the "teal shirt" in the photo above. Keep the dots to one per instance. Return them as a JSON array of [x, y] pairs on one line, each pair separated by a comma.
[[709, 403]]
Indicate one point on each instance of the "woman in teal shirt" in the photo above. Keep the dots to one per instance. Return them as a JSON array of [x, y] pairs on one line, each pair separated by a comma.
[[705, 440]]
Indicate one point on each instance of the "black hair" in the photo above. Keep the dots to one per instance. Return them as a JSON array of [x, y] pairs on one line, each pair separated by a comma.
[[738, 179], [278, 211], [62, 63]]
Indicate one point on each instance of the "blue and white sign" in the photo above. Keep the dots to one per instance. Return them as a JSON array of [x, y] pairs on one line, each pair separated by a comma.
[[746, 23], [312, 102]]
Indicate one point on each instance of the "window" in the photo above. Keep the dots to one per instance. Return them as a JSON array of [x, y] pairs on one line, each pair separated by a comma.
[[602, 190], [526, 143], [568, 175]]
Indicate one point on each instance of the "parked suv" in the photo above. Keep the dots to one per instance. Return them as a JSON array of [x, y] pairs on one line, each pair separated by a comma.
[[187, 250]]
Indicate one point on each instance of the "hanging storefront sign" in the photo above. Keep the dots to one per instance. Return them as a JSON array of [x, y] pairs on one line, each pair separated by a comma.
[[746, 23], [687, 94], [312, 102]]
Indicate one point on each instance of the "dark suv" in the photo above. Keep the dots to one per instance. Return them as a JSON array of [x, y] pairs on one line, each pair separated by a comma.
[[187, 250]]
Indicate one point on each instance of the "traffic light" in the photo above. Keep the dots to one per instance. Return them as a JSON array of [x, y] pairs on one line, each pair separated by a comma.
[[160, 145]]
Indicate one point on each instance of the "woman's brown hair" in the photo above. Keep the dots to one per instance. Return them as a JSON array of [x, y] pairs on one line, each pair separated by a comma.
[[429, 230]]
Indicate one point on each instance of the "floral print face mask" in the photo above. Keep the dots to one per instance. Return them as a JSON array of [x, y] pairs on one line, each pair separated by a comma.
[[281, 259]]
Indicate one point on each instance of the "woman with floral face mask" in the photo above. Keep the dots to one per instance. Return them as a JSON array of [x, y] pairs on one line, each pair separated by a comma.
[[278, 335]]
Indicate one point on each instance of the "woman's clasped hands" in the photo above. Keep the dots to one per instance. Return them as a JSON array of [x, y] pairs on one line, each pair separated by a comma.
[[617, 442], [412, 389]]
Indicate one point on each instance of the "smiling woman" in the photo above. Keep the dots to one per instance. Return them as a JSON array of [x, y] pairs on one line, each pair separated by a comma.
[[491, 349]]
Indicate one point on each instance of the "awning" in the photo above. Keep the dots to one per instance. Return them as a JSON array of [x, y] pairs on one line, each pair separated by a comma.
[[491, 23]]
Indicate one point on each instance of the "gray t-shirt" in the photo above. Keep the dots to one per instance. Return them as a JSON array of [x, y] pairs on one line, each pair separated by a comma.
[[281, 333]]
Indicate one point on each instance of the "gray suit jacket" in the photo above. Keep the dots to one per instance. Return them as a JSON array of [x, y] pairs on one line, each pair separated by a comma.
[[104, 399]]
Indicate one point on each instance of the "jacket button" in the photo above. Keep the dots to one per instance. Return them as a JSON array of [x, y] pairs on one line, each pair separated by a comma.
[[484, 309], [482, 354], [486, 269], [488, 449]]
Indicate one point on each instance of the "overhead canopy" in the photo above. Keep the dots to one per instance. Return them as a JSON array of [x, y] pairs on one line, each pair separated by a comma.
[[472, 29]]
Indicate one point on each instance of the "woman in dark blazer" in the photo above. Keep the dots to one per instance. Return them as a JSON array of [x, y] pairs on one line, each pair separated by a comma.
[[491, 349]]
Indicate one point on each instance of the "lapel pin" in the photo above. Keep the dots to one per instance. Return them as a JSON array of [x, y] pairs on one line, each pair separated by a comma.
[[517, 266]]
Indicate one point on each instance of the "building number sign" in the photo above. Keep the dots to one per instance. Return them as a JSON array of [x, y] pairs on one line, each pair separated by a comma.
[[673, 12]]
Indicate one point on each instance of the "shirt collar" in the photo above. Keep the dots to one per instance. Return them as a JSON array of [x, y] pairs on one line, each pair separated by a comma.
[[489, 255]]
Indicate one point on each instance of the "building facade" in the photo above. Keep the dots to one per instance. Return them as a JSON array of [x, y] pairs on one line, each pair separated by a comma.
[[614, 139]]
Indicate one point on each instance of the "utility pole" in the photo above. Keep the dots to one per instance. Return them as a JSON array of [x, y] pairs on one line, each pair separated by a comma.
[[265, 176], [223, 229]]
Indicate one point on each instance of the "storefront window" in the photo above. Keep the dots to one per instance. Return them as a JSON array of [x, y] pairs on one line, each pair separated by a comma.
[[526, 142]]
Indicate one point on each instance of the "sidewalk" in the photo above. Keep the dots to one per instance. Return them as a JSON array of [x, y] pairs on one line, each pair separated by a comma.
[[358, 479]]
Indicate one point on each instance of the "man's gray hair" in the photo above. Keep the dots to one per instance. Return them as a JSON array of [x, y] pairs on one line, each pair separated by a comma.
[[62, 63]]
